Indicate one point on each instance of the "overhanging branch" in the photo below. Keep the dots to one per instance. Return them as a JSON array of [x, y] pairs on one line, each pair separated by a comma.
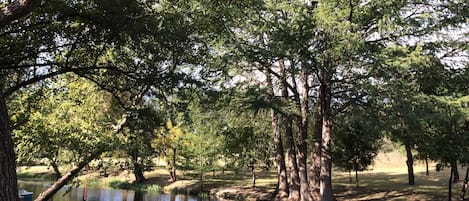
[[16, 10]]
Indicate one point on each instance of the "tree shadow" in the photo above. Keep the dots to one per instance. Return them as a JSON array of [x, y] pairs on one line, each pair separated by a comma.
[[388, 186]]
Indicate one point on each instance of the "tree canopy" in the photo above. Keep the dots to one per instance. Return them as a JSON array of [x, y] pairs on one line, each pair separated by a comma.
[[232, 84]]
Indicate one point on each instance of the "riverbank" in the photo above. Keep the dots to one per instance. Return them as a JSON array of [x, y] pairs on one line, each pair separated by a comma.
[[386, 182], [223, 185]]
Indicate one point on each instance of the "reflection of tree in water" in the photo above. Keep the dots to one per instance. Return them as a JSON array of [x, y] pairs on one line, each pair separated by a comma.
[[98, 194], [124, 196], [172, 197], [138, 196]]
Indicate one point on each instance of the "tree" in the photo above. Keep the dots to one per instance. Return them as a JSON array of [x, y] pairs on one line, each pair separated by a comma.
[[137, 135], [357, 141], [70, 111], [20, 62], [247, 138], [122, 46], [168, 142], [276, 46], [282, 189], [448, 130]]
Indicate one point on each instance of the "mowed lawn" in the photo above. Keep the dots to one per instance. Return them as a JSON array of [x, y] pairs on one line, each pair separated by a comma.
[[387, 180]]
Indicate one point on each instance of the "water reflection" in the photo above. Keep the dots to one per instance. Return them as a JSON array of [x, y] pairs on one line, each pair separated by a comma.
[[94, 194]]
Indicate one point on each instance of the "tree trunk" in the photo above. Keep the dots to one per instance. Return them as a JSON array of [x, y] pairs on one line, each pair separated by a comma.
[[303, 136], [326, 162], [356, 177], [410, 164], [55, 167], [172, 174], [138, 170], [283, 188], [450, 183], [8, 178], [464, 186], [47, 194], [292, 164], [201, 176], [282, 181], [454, 166], [350, 176], [173, 167], [253, 174], [290, 141], [427, 173], [315, 169], [327, 193]]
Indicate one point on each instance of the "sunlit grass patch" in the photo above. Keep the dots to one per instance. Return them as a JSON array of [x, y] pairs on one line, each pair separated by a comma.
[[117, 184]]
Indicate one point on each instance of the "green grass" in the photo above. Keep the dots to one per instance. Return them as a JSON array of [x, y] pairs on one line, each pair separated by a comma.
[[94, 182], [33, 175], [387, 181], [153, 188]]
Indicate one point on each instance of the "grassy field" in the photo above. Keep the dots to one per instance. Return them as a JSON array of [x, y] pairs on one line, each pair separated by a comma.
[[387, 180]]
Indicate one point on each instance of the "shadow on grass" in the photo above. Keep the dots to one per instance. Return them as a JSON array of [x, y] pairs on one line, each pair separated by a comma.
[[228, 185], [390, 186]]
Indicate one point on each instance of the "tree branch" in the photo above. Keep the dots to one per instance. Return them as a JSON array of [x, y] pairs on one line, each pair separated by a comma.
[[16, 10]]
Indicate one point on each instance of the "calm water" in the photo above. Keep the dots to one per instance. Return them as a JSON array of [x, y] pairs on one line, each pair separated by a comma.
[[95, 194]]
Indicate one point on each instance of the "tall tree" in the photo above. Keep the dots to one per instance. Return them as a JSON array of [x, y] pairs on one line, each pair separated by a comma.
[[282, 190]]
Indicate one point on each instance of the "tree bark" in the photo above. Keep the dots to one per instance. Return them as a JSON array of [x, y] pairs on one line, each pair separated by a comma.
[[327, 193], [8, 178], [138, 170], [16, 10], [356, 177], [47, 194], [292, 161], [410, 164], [282, 184], [303, 136], [450, 183], [290, 141], [427, 173], [282, 181], [326, 163], [464, 186], [55, 167], [349, 176], [253, 173], [454, 166], [172, 170], [315, 169]]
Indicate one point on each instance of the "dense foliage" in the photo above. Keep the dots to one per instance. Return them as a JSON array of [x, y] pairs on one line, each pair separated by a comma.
[[215, 85]]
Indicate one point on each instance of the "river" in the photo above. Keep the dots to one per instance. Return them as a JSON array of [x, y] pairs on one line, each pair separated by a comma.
[[101, 194]]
